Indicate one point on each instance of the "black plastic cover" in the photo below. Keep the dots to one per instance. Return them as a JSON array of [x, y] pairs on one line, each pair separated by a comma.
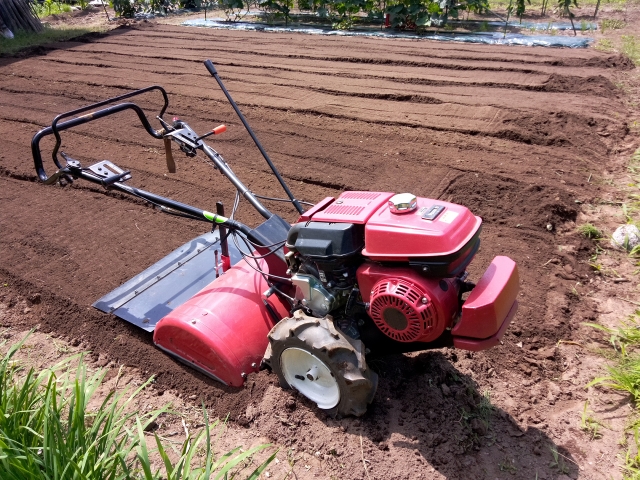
[[322, 240]]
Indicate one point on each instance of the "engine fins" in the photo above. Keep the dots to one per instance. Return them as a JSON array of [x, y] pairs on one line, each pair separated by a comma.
[[398, 310]]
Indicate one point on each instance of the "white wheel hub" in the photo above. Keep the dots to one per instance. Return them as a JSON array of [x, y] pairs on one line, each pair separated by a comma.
[[310, 376]]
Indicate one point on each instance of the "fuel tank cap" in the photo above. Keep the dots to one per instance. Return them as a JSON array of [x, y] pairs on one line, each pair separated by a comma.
[[403, 203]]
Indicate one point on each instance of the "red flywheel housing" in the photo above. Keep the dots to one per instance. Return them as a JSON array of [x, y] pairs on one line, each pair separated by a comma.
[[403, 311]]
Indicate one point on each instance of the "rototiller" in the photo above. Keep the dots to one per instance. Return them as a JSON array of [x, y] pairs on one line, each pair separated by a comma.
[[367, 273]]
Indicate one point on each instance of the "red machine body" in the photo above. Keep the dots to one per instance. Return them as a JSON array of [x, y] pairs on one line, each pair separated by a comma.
[[222, 330], [416, 304], [409, 278]]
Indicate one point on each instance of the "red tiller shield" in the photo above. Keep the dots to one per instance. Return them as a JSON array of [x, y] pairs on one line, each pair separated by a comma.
[[491, 306], [222, 330]]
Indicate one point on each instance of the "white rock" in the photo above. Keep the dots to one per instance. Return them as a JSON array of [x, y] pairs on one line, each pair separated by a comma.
[[625, 237]]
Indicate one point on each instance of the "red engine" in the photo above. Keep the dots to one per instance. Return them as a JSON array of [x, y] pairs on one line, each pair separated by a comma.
[[406, 258]]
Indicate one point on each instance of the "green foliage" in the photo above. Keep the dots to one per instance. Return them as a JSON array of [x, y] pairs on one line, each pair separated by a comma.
[[182, 468], [278, 8], [624, 374], [47, 430], [625, 336], [564, 6], [558, 462], [233, 9], [520, 7], [51, 7], [610, 24], [631, 48], [589, 424], [344, 13], [419, 14], [590, 231], [125, 8]]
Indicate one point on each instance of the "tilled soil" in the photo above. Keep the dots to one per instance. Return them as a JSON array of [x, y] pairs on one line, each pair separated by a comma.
[[515, 134]]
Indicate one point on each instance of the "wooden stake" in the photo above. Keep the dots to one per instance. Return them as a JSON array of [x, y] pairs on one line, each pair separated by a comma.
[[171, 165]]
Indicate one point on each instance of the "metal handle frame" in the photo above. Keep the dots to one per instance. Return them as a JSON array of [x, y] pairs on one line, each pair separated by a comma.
[[56, 127], [188, 143]]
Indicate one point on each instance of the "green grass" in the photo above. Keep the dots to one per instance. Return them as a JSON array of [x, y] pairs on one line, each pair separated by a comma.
[[47, 431], [589, 424], [590, 231], [24, 40], [631, 48], [605, 45], [623, 375], [50, 7], [610, 24]]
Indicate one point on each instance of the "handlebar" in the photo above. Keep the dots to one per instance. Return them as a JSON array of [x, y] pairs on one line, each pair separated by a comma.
[[57, 127]]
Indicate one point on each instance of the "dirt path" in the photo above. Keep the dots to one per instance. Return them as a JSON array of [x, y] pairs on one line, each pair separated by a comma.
[[513, 133]]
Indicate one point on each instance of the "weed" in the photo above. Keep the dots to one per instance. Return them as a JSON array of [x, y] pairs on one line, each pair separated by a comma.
[[590, 231], [604, 45], [598, 269], [182, 468], [634, 163], [625, 336], [599, 251], [292, 459], [61, 348], [47, 430], [624, 374], [589, 424], [485, 408], [631, 461], [635, 252], [558, 460], [610, 24], [631, 48], [628, 210], [51, 7], [508, 465]]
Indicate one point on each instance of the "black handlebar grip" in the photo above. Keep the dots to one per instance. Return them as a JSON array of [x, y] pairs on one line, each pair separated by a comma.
[[211, 67]]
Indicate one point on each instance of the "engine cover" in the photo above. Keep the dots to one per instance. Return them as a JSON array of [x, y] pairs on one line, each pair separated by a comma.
[[402, 311], [406, 306]]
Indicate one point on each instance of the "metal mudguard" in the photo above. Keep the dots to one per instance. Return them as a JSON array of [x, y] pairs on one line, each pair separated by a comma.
[[167, 284], [491, 306], [222, 330]]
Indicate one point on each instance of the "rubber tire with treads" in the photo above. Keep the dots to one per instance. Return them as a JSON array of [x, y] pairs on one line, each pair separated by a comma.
[[342, 355]]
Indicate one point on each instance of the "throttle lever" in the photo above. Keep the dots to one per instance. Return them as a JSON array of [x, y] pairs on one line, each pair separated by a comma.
[[216, 131]]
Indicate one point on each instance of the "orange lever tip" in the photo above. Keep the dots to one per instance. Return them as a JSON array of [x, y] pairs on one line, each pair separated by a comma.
[[219, 129]]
